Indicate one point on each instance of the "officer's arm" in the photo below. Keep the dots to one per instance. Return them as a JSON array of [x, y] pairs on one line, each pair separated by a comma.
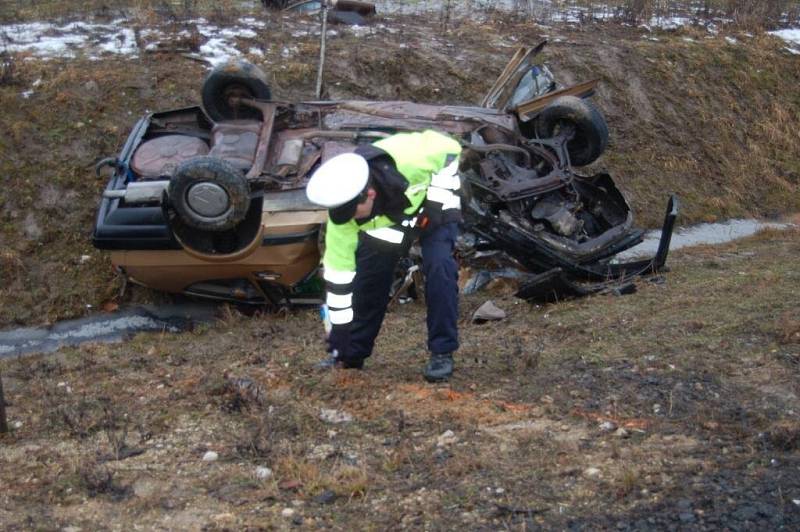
[[341, 241]]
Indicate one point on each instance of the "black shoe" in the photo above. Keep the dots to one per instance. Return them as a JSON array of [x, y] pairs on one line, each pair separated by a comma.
[[439, 368], [331, 362]]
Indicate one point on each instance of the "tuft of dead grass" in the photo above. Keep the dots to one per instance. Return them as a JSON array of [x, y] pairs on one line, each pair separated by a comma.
[[788, 328]]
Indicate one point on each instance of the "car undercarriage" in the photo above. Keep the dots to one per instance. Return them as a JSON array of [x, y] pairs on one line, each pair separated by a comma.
[[209, 201]]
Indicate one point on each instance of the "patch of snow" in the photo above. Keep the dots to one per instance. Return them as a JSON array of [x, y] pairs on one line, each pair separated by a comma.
[[731, 40], [670, 23], [45, 40], [250, 21], [244, 33], [790, 35], [123, 43], [207, 30], [27, 94], [217, 51], [361, 31], [256, 51]]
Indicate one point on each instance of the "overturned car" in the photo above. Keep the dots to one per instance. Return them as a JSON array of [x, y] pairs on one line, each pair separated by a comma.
[[209, 201]]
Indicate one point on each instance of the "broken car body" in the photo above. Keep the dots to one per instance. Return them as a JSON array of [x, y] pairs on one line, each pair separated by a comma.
[[209, 201]]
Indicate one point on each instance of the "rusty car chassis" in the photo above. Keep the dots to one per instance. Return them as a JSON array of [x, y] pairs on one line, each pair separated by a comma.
[[209, 201]]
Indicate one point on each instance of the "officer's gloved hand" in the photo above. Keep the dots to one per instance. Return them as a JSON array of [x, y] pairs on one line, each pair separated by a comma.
[[339, 342]]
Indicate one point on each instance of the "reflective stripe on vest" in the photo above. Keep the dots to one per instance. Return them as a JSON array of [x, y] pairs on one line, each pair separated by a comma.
[[339, 277], [447, 177], [387, 234], [445, 197], [339, 301], [341, 317]]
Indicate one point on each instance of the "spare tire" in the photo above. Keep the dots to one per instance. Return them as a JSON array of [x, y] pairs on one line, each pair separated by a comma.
[[236, 78], [209, 193], [590, 136]]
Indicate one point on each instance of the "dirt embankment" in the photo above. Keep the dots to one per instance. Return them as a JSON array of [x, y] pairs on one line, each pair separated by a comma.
[[714, 120]]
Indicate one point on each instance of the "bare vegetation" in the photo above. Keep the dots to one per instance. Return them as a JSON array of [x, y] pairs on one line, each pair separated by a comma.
[[672, 407], [743, 14]]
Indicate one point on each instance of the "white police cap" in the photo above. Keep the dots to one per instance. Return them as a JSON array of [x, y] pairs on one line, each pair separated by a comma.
[[338, 180]]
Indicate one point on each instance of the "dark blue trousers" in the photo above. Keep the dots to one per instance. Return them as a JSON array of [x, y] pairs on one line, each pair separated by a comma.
[[375, 264]]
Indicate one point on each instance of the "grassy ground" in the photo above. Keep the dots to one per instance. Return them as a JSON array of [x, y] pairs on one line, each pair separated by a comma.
[[677, 406], [674, 406]]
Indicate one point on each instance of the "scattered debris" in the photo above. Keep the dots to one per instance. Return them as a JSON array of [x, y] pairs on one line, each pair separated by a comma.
[[607, 426], [322, 452], [508, 510], [326, 497], [622, 433], [488, 312], [349, 12], [247, 389], [484, 277], [263, 473], [591, 472], [334, 416], [447, 438], [210, 456]]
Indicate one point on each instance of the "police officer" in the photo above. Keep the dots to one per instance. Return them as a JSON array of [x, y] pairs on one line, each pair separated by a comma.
[[380, 198]]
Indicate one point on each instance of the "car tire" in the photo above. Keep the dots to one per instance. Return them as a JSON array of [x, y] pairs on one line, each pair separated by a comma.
[[236, 78], [209, 194], [591, 131]]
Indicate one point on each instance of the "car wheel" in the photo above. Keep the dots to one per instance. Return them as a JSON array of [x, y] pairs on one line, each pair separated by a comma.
[[234, 79], [589, 129], [209, 194]]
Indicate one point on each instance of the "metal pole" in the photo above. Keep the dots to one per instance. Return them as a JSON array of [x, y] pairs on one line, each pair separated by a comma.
[[3, 420], [324, 15]]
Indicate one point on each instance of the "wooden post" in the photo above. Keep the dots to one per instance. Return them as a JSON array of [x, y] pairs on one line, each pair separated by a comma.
[[324, 15], [3, 420]]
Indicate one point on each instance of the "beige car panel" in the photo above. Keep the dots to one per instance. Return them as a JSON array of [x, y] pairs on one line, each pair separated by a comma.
[[176, 270]]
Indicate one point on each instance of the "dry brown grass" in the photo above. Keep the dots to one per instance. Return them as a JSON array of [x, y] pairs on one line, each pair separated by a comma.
[[705, 346], [788, 328]]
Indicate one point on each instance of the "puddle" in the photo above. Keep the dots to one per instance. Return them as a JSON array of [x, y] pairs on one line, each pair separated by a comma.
[[702, 234], [107, 328]]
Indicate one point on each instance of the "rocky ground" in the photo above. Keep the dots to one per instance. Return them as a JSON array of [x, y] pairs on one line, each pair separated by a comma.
[[676, 407], [672, 408]]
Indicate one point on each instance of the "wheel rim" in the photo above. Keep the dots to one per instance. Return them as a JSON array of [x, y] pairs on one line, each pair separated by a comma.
[[208, 200]]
